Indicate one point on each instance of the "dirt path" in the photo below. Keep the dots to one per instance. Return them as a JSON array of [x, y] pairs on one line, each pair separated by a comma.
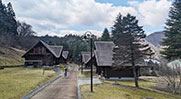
[[62, 88]]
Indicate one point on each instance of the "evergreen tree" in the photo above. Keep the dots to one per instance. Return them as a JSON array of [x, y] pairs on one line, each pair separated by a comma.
[[8, 24], [130, 48], [172, 42], [105, 35], [2, 16]]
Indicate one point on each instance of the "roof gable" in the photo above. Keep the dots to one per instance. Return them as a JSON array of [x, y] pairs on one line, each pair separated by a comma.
[[65, 54], [55, 50], [86, 56]]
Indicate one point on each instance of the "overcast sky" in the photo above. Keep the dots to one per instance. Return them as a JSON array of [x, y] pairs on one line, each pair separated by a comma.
[[61, 17]]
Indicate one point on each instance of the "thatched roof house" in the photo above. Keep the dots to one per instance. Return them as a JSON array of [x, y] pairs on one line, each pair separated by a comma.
[[43, 54], [86, 59], [103, 56], [65, 56]]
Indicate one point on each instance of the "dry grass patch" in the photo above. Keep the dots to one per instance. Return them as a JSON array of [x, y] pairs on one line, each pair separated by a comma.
[[17, 82], [86, 74], [108, 91], [11, 57]]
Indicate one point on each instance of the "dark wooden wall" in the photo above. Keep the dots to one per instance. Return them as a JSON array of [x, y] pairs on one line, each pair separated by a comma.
[[108, 71]]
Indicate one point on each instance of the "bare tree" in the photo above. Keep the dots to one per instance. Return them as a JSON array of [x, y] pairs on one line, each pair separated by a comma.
[[171, 73]]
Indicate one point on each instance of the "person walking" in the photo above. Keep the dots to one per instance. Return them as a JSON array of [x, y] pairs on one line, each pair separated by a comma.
[[65, 71]]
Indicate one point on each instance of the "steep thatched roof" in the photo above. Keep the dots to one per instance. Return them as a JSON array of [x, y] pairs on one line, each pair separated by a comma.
[[65, 54], [104, 53], [85, 57], [55, 50], [104, 45]]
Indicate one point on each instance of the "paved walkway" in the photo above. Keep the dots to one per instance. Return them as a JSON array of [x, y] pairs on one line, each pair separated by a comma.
[[85, 81], [62, 88]]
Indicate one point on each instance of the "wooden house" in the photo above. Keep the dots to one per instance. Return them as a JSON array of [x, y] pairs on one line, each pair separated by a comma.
[[85, 59], [43, 54], [65, 56], [103, 61]]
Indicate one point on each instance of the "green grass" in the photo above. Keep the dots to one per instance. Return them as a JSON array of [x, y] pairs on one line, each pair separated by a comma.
[[18, 82], [61, 67], [11, 57], [108, 91], [86, 74], [132, 83]]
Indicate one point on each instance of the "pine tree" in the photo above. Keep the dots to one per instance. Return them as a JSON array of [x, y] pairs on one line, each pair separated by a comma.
[[8, 23], [2, 16], [130, 48], [172, 42], [12, 27], [105, 35]]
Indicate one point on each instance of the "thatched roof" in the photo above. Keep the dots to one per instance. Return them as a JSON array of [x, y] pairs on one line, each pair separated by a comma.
[[65, 54], [85, 57], [104, 45], [55, 50], [104, 53]]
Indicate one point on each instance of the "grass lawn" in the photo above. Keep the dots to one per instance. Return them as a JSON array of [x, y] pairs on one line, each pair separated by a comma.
[[132, 83], [18, 82], [109, 91], [86, 74]]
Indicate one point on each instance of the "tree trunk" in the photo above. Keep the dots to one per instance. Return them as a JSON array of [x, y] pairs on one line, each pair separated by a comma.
[[134, 68]]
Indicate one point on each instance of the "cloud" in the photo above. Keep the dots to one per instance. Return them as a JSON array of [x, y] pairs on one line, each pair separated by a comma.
[[60, 14], [57, 15], [67, 32], [151, 12]]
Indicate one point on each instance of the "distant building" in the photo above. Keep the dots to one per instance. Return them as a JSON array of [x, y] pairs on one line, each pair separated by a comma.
[[44, 54], [86, 59], [65, 56], [103, 61]]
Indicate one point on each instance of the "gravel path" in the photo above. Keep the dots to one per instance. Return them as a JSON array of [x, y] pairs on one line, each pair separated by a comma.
[[62, 88]]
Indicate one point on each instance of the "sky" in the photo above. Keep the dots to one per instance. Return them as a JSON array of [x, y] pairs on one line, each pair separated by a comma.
[[63, 17]]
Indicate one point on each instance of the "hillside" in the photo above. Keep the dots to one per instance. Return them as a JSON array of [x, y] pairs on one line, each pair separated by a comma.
[[156, 38], [11, 56], [155, 50]]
